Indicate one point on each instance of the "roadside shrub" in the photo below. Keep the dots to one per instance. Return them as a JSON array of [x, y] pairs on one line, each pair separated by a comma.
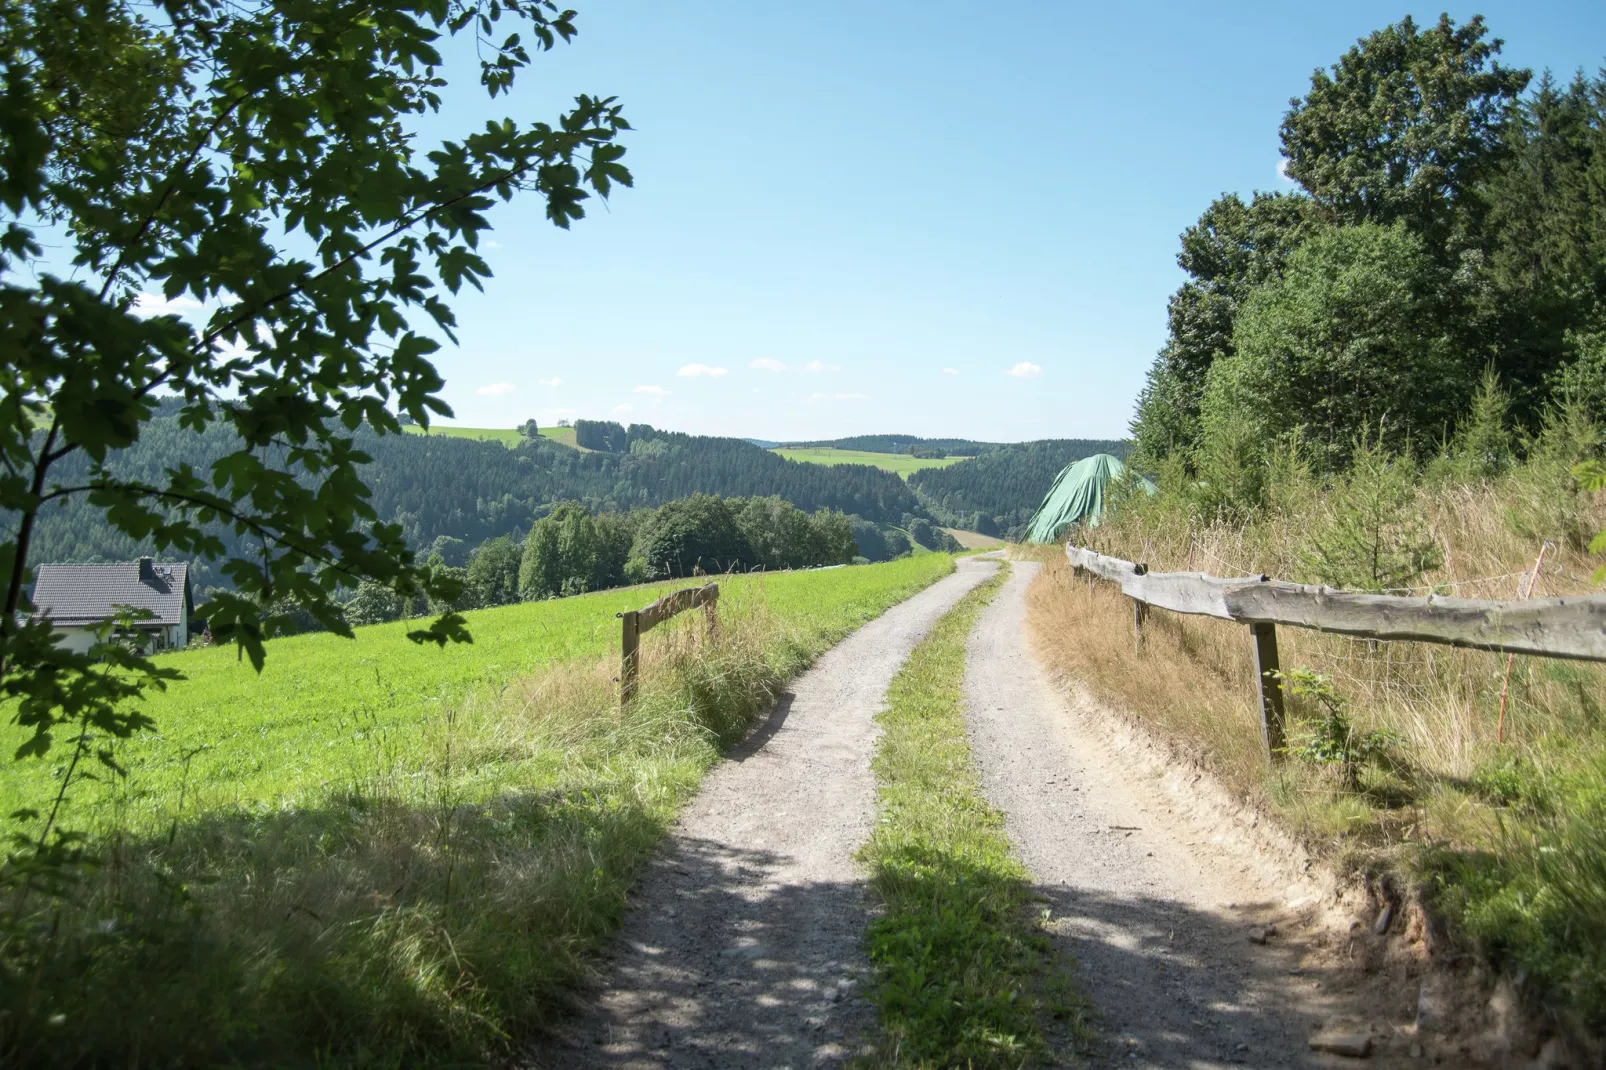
[[1330, 738], [1537, 906], [1348, 336]]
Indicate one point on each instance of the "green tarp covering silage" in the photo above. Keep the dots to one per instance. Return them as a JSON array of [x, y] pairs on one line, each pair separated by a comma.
[[1077, 495]]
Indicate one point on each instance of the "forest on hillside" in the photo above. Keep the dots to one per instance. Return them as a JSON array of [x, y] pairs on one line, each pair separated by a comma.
[[464, 491], [952, 447], [1444, 227], [997, 492]]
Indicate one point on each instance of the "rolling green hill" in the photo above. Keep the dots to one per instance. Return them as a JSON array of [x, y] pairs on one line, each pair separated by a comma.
[[471, 484], [897, 463], [507, 436]]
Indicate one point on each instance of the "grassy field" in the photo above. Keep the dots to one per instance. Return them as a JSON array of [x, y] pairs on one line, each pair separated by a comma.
[[376, 854], [964, 974], [507, 436], [898, 463]]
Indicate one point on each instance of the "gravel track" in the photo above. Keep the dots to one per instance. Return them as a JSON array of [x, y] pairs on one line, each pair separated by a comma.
[[1158, 923], [742, 947]]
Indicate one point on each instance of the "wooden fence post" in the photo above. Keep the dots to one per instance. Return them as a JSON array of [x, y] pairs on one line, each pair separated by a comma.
[[1140, 611], [630, 654], [1271, 689]]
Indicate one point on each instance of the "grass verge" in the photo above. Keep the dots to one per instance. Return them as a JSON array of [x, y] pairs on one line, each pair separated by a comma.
[[965, 976], [422, 885]]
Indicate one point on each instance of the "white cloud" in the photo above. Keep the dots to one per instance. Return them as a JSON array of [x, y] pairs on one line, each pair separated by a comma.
[[496, 389], [658, 390], [493, 244], [554, 381], [950, 371], [839, 397], [1025, 370], [700, 369], [765, 364], [1282, 169], [814, 367], [623, 407], [157, 305]]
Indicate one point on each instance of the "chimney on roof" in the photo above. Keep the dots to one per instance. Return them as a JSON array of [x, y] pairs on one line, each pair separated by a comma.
[[146, 571]]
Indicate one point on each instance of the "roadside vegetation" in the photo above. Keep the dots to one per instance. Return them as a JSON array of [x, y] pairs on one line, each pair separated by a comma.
[[965, 976], [1392, 384], [375, 855]]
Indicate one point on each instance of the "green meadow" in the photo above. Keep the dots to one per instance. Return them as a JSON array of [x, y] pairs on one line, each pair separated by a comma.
[[380, 854], [507, 436], [898, 463]]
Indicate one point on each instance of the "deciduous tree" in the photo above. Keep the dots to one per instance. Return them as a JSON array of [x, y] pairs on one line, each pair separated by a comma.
[[259, 160]]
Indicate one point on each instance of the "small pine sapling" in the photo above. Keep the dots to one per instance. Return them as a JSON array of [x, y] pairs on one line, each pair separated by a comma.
[[1375, 537]]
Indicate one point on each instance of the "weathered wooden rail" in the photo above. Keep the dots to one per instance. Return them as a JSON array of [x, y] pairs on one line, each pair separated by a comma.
[[1569, 627], [635, 622]]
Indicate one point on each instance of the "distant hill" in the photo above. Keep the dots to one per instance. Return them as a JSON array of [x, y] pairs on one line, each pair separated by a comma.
[[460, 487], [997, 492], [762, 443], [958, 447]]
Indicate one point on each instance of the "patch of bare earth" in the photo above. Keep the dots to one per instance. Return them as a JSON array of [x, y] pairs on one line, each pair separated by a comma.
[[743, 943], [974, 540]]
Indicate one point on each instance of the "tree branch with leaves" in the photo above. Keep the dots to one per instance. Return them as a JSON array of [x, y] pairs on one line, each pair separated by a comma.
[[258, 159]]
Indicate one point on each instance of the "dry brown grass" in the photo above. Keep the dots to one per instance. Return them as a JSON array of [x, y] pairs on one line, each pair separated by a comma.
[[1192, 678]]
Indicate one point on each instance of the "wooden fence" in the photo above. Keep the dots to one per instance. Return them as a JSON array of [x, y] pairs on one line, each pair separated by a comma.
[[1568, 627], [637, 621]]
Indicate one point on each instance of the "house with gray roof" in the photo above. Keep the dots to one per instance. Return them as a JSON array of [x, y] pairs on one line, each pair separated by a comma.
[[75, 598]]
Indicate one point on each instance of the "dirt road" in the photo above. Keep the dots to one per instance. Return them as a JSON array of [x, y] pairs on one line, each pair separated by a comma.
[[1159, 922], [742, 947]]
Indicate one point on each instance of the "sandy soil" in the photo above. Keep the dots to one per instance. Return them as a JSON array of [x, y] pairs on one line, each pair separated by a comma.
[[1161, 921], [742, 947]]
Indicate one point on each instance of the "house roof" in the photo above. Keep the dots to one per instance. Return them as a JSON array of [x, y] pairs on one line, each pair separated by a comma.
[[76, 595]]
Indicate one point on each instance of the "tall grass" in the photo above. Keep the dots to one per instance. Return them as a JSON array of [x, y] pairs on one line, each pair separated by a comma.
[[1486, 813], [429, 903]]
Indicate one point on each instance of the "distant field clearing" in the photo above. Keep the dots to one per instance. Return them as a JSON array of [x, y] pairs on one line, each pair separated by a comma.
[[898, 463], [507, 436], [973, 540]]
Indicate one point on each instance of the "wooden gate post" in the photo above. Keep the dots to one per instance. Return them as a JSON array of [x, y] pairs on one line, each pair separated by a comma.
[[1271, 689], [630, 654], [1140, 611]]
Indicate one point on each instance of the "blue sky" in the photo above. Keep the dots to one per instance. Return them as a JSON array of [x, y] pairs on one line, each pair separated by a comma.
[[867, 216]]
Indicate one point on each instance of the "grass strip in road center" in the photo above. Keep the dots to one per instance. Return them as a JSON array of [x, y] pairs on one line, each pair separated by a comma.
[[964, 974]]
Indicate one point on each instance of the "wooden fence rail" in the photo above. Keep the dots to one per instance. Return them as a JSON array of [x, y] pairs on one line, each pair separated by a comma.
[[637, 621], [1570, 627]]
